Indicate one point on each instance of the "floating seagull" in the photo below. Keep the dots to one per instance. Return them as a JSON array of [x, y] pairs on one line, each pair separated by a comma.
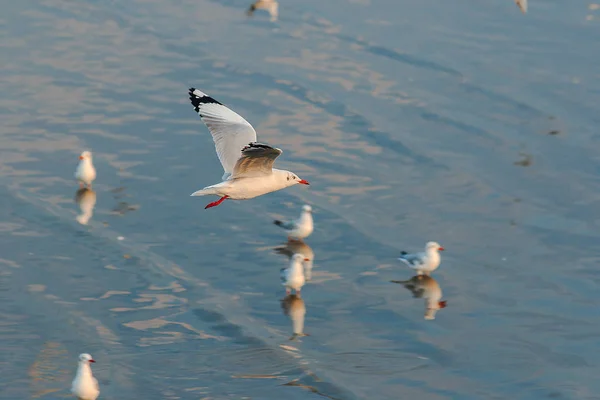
[[292, 277], [300, 228], [86, 199], [270, 5], [425, 262], [522, 5], [293, 306], [298, 246], [85, 172], [425, 287], [248, 165], [85, 386]]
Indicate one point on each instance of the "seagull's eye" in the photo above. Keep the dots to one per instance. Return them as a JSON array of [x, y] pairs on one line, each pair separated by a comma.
[[288, 178]]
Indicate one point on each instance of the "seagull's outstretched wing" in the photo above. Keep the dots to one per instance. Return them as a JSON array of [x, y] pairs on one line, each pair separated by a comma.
[[229, 130], [257, 160]]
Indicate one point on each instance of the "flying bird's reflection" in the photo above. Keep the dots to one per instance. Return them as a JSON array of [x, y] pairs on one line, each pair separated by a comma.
[[293, 306], [298, 246], [86, 200], [425, 287]]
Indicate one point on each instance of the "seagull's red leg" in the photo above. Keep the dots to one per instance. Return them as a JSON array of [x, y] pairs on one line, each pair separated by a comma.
[[216, 203]]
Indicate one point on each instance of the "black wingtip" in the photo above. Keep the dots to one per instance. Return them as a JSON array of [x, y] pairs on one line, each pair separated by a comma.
[[278, 222], [200, 98], [403, 253]]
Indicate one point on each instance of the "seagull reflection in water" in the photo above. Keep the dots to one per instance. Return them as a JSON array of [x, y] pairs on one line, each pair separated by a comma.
[[86, 200], [299, 247], [293, 306], [425, 287]]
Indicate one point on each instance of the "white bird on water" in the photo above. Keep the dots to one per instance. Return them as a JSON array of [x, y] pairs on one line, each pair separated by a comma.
[[248, 165], [292, 277], [300, 228], [425, 262], [298, 246], [85, 172], [270, 5], [85, 386]]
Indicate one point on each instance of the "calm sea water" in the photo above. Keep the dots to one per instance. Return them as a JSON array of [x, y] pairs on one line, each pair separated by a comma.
[[463, 122]]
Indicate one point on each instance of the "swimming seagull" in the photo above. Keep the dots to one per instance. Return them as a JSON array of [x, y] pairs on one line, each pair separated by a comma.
[[300, 228], [427, 288], [425, 262], [248, 165], [292, 277], [270, 5], [85, 172], [522, 5], [85, 386]]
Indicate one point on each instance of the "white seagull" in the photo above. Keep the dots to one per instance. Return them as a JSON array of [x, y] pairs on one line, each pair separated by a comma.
[[522, 5], [298, 246], [425, 262], [248, 165], [300, 228], [292, 277], [270, 5], [85, 386], [85, 172]]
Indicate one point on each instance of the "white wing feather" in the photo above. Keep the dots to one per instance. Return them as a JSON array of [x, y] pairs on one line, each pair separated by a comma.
[[230, 132]]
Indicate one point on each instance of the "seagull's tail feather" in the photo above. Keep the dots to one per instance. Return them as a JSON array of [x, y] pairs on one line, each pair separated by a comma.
[[205, 192], [284, 224]]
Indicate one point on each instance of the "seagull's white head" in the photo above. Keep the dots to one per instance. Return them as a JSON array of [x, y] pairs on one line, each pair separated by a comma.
[[433, 246], [306, 208], [85, 357], [291, 178], [86, 155]]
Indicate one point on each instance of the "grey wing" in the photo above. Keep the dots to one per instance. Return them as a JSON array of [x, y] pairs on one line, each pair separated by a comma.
[[413, 260], [287, 225], [257, 160], [229, 130], [283, 275]]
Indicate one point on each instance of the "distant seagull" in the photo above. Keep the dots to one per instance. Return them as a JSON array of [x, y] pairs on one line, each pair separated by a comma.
[[298, 246], [85, 172], [292, 277], [293, 306], [248, 165], [522, 5], [270, 5], [425, 287], [86, 199], [85, 386], [425, 262], [300, 228]]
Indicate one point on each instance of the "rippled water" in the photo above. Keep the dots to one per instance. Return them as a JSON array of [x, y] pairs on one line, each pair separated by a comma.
[[469, 124]]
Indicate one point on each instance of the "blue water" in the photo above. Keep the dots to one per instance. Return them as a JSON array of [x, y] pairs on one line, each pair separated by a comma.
[[463, 122]]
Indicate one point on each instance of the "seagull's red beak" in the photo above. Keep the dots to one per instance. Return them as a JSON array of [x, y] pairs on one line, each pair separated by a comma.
[[81, 157], [92, 361], [302, 181], [441, 249], [307, 259]]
